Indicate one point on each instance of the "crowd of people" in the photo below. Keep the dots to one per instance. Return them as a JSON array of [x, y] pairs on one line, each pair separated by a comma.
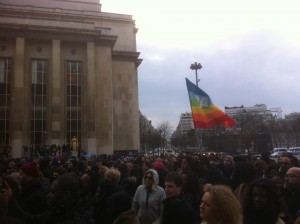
[[184, 189]]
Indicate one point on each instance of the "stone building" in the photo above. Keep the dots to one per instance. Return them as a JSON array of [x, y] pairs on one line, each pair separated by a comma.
[[68, 76]]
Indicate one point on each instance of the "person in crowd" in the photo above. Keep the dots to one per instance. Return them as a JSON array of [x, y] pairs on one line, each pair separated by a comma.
[[106, 188], [120, 211], [272, 170], [219, 205], [227, 168], [146, 166], [176, 209], [210, 173], [161, 171], [292, 191], [185, 164], [244, 173], [265, 156], [260, 167], [128, 180], [62, 203], [279, 182], [33, 194], [56, 172], [264, 204], [287, 161], [114, 175], [192, 192], [85, 205], [148, 198], [72, 166], [4, 218]]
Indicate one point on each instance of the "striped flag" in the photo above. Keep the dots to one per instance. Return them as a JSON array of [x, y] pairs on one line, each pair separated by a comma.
[[205, 113]]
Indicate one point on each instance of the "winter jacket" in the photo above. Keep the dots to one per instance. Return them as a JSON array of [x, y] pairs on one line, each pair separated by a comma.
[[149, 208]]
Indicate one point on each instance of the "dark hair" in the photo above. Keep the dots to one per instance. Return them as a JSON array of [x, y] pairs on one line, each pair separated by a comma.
[[119, 203], [175, 177], [244, 172], [276, 203], [294, 160], [71, 183]]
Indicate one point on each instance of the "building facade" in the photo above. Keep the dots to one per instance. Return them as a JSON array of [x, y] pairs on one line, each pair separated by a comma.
[[68, 76], [185, 124]]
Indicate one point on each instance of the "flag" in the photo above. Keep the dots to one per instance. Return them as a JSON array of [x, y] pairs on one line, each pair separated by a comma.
[[205, 113]]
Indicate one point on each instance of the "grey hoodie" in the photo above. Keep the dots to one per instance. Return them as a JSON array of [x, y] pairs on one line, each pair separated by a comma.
[[156, 196]]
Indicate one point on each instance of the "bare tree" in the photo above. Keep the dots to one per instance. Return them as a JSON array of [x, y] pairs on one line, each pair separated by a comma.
[[164, 130]]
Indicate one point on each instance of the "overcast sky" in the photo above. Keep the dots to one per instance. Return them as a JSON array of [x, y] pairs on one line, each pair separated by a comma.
[[249, 50]]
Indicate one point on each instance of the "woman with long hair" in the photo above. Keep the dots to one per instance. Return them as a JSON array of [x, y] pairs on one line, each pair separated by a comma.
[[220, 206], [264, 204]]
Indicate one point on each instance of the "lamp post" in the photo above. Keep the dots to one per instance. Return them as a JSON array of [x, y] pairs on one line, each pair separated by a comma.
[[197, 66]]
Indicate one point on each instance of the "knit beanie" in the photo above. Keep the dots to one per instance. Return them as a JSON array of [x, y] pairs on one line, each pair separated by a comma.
[[158, 165], [31, 169]]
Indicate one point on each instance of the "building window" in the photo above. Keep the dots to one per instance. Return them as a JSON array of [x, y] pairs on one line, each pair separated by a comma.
[[73, 81], [5, 97], [39, 102]]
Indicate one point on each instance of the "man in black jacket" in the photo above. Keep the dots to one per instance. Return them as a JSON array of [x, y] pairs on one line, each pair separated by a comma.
[[176, 209], [62, 203]]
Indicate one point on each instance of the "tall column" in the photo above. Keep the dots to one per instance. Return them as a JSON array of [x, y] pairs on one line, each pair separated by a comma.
[[104, 100], [56, 96], [90, 98], [17, 100]]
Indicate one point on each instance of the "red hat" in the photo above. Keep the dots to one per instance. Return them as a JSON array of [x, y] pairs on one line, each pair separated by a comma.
[[31, 169], [158, 165]]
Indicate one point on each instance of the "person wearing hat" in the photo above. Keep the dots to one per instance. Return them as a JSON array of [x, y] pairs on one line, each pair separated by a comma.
[[33, 195]]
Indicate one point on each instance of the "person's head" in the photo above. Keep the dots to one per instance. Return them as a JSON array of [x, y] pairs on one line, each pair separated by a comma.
[[286, 162], [173, 184], [272, 170], [190, 183], [158, 166], [265, 155], [204, 163], [89, 182], [228, 160], [260, 167], [64, 192], [72, 164], [57, 171], [186, 163], [150, 179], [105, 189], [29, 172], [219, 204], [279, 182], [113, 174], [146, 165], [292, 178], [262, 195], [244, 172]]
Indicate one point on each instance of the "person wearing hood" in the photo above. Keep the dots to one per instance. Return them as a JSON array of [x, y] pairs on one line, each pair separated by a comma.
[[148, 198]]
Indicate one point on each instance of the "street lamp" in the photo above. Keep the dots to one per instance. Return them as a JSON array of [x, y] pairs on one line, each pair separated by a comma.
[[196, 66]]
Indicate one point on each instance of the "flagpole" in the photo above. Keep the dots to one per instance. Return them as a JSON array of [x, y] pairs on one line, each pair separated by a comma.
[[197, 66]]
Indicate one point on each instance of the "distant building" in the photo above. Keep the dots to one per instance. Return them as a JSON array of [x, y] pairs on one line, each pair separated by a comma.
[[185, 124], [67, 71], [277, 112], [258, 110]]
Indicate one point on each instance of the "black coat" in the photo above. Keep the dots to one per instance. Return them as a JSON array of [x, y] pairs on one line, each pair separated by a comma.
[[178, 211], [33, 198]]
